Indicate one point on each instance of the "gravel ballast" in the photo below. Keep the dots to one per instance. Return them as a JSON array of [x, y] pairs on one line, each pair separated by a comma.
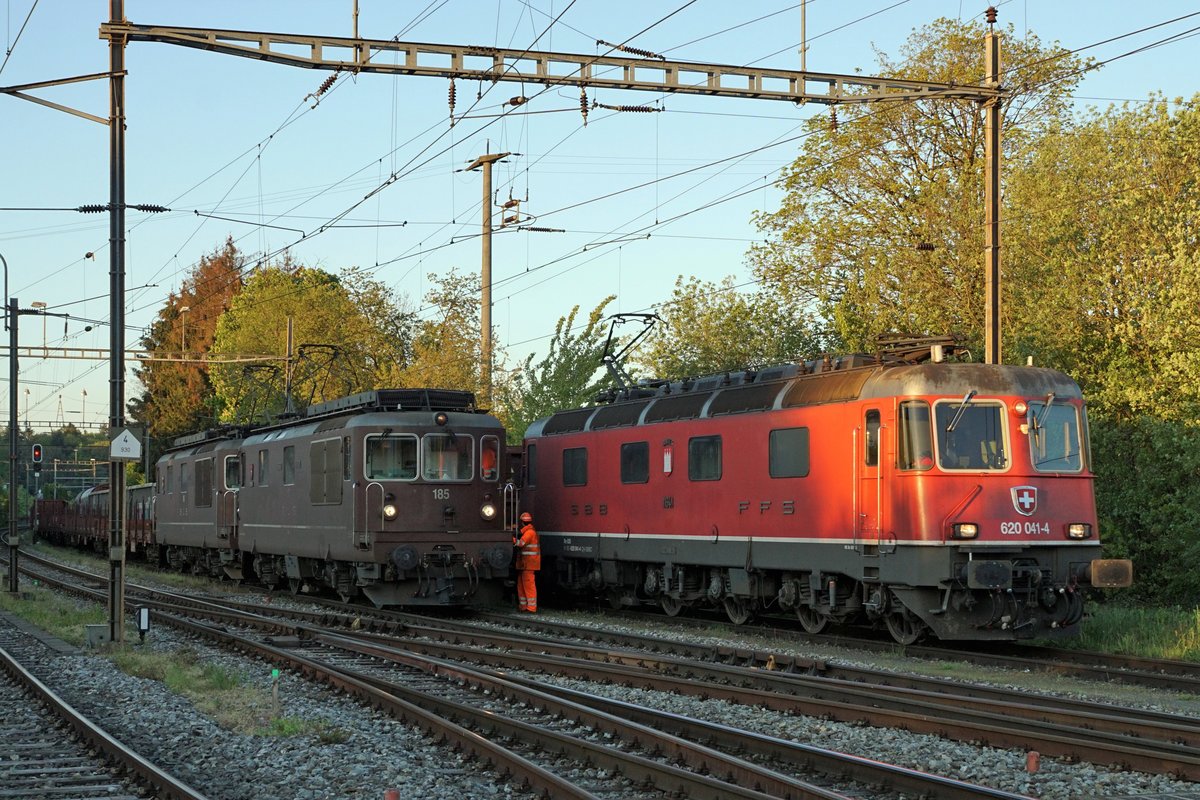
[[372, 752]]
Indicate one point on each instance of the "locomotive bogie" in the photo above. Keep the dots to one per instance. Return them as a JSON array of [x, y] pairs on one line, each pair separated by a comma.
[[955, 499]]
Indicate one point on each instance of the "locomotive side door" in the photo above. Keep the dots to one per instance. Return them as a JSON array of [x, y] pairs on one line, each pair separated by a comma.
[[227, 500], [869, 481]]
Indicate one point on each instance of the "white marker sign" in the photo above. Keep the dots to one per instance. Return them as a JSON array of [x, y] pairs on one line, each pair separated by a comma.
[[125, 447]]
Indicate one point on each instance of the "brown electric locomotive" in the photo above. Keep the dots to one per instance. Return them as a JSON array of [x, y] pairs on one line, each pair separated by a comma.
[[394, 494]]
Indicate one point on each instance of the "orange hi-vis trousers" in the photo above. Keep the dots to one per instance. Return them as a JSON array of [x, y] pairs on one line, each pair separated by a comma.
[[527, 590]]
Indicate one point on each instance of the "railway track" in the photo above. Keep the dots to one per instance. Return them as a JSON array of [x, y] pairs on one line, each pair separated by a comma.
[[1073, 730], [1153, 673], [548, 733], [53, 751]]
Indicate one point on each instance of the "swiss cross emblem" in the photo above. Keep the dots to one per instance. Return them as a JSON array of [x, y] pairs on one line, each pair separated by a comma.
[[1025, 499]]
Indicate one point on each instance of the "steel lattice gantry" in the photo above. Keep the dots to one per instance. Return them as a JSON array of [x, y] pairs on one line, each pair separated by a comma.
[[477, 62]]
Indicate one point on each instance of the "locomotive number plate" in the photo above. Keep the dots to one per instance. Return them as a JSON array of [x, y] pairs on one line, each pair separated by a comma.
[[1024, 528]]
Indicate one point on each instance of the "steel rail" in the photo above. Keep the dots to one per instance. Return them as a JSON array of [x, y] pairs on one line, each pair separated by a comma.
[[1171, 675], [866, 705], [700, 758], [406, 705], [164, 784], [1092, 746], [584, 706]]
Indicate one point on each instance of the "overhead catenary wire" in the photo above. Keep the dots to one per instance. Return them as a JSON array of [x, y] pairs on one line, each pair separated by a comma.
[[459, 239]]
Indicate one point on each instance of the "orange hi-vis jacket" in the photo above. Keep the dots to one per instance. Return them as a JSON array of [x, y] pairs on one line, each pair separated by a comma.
[[529, 554]]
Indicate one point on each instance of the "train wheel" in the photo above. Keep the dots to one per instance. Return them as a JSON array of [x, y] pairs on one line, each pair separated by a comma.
[[738, 610], [811, 620], [671, 606], [904, 629]]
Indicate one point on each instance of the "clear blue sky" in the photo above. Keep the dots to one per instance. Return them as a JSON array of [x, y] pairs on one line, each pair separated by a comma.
[[235, 138]]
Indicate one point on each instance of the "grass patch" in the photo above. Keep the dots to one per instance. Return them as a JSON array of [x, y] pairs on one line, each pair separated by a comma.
[[134, 569], [1172, 633], [235, 703], [296, 726], [58, 614]]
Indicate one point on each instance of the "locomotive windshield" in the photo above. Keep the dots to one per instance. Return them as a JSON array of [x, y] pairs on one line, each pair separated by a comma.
[[1054, 441], [447, 457], [391, 458], [977, 439]]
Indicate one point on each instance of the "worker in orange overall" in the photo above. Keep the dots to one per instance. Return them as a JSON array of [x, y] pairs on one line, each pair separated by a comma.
[[529, 561]]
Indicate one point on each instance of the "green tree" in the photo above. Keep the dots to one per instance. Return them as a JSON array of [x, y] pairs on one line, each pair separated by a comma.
[[178, 396], [334, 344], [708, 327], [1148, 471], [1109, 281], [565, 378], [890, 176], [445, 348], [386, 329]]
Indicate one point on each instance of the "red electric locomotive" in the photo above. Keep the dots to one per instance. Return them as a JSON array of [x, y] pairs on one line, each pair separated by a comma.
[[901, 489]]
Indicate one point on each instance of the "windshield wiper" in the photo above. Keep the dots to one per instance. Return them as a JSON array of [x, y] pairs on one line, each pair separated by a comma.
[[962, 408], [1041, 418]]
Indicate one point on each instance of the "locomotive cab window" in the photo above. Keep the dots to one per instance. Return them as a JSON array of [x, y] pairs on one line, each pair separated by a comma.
[[233, 472], [704, 458], [447, 457], [575, 466], [489, 458], [1054, 437], [970, 436], [787, 453], [391, 458], [635, 462], [871, 439], [916, 436], [289, 465]]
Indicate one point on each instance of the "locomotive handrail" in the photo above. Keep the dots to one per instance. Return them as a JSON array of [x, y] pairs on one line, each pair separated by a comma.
[[510, 500], [365, 533]]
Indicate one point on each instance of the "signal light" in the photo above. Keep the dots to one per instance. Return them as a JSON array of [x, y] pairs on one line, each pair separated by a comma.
[[37, 458]]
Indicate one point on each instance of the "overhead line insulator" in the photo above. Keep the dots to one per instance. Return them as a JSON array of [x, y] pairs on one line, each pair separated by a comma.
[[632, 109], [93, 208], [583, 104], [636, 51]]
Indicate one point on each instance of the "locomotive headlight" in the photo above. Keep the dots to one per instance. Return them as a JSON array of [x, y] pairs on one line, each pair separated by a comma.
[[965, 530], [389, 511], [1020, 408], [488, 511], [1079, 530]]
